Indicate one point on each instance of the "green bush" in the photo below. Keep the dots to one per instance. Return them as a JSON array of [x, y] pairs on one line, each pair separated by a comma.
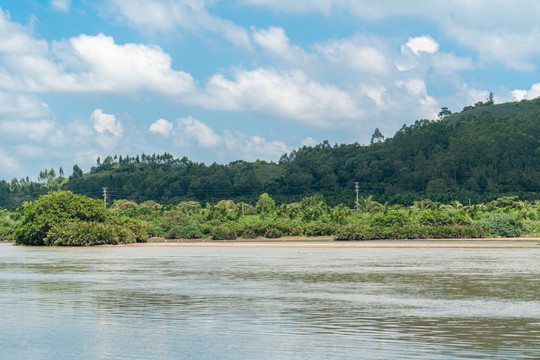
[[388, 219], [53, 209], [137, 227], [318, 228], [63, 218], [273, 233], [501, 224], [222, 232], [84, 233], [187, 231], [353, 232]]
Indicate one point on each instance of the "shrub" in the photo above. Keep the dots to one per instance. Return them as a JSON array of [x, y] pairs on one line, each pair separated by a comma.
[[187, 231], [137, 227], [353, 232], [501, 224], [273, 233], [318, 228], [388, 219], [222, 232], [53, 209], [84, 233]]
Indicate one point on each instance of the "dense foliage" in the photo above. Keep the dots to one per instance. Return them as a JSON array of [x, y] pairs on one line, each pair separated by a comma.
[[482, 153], [64, 218], [314, 217]]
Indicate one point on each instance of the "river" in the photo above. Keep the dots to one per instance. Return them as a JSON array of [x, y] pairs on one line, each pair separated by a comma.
[[269, 303]]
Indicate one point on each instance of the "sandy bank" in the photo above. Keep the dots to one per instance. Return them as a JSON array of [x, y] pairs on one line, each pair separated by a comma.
[[327, 242]]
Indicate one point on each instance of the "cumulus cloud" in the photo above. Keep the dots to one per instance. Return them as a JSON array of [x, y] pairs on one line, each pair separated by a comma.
[[22, 106], [309, 141], [358, 53], [87, 64], [533, 93], [34, 130], [62, 5], [106, 123], [8, 162], [514, 50], [162, 127], [128, 67], [167, 15], [275, 41], [16, 39], [417, 91], [423, 44], [505, 33], [288, 94], [253, 147], [190, 128]]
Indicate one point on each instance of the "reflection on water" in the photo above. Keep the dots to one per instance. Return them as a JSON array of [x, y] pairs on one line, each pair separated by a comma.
[[269, 303]]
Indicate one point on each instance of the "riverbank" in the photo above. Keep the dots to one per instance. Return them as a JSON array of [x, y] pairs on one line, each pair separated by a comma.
[[328, 242]]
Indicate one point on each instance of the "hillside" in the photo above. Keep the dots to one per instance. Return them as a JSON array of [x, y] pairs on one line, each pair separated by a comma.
[[479, 154]]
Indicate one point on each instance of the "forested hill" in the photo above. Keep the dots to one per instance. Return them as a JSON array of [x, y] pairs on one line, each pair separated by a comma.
[[480, 153]]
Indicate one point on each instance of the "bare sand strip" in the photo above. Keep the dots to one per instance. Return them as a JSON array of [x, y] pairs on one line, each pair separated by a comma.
[[348, 244]]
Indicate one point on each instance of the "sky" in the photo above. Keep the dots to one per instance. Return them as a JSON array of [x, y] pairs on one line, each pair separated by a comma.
[[219, 81]]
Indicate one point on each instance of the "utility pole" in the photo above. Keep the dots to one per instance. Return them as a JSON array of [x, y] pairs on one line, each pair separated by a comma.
[[356, 189], [105, 195]]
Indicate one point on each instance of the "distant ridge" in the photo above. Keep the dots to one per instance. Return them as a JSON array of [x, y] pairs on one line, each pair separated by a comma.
[[480, 153]]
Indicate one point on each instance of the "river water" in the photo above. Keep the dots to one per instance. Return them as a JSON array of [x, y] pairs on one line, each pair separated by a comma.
[[269, 303]]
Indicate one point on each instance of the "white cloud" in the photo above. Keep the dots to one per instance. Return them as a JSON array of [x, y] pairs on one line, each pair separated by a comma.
[[448, 62], [62, 5], [128, 67], [162, 127], [533, 93], [22, 106], [475, 95], [375, 93], [275, 41], [167, 15], [288, 94], [309, 141], [88, 64], [358, 53], [7, 162], [17, 39], [423, 105], [254, 147], [34, 130], [106, 123], [190, 128], [507, 32], [423, 44]]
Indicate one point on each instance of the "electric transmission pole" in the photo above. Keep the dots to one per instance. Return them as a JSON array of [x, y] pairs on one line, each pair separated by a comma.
[[105, 195], [356, 189]]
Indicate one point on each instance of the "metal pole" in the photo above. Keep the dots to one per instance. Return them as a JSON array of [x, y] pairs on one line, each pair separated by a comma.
[[356, 189], [105, 195]]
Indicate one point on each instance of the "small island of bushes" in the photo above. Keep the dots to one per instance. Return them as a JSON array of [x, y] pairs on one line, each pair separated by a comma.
[[62, 218]]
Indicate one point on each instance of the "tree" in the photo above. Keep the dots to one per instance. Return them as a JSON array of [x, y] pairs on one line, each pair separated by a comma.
[[377, 136], [265, 204], [61, 172], [51, 176], [490, 100], [64, 218], [77, 172], [53, 209], [444, 112], [367, 204]]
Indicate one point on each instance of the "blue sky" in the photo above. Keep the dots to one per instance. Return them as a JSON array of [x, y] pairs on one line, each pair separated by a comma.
[[222, 80]]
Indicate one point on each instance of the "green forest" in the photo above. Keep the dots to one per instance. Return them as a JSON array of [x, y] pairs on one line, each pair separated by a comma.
[[457, 176], [479, 154]]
